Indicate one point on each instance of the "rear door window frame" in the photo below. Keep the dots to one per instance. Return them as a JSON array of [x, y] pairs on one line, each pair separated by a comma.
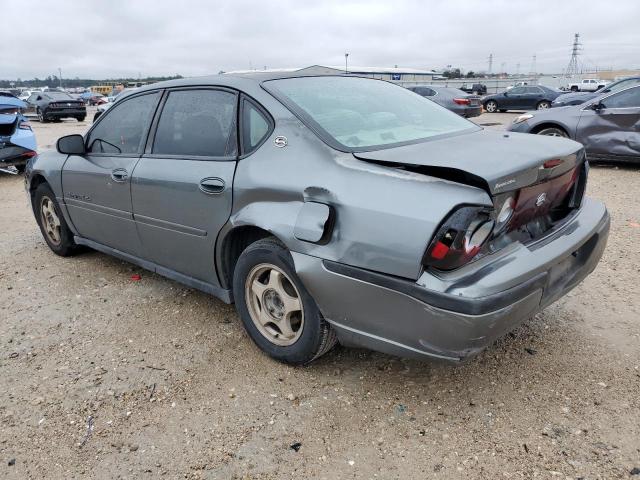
[[246, 99], [148, 149]]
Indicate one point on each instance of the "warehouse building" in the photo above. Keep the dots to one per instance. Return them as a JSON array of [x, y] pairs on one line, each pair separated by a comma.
[[396, 74]]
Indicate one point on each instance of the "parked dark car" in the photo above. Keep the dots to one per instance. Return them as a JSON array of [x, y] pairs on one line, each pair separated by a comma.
[[607, 126], [474, 88], [17, 141], [521, 98], [54, 105], [576, 98], [452, 99], [328, 208]]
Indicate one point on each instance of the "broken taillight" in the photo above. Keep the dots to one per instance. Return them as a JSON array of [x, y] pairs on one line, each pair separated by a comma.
[[460, 238]]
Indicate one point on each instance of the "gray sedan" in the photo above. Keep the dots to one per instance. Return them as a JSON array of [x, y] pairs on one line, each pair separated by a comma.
[[608, 126], [329, 209], [452, 99]]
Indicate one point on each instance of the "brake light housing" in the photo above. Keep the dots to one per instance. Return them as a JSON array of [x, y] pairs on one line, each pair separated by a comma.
[[462, 101], [460, 238]]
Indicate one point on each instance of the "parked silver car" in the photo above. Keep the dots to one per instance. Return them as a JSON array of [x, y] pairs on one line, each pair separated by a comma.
[[330, 208], [608, 126]]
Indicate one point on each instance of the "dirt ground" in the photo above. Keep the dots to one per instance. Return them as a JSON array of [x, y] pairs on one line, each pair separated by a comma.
[[106, 377]]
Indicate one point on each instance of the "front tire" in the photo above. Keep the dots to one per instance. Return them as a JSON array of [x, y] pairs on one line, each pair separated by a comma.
[[52, 224], [491, 106], [80, 119], [553, 132], [278, 313]]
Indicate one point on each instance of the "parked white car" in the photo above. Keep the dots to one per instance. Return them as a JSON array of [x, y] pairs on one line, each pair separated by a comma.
[[587, 85]]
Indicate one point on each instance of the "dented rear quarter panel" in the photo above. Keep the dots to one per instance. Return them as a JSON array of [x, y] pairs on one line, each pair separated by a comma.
[[384, 217]]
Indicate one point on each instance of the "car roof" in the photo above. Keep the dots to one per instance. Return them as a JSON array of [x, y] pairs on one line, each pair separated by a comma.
[[237, 80]]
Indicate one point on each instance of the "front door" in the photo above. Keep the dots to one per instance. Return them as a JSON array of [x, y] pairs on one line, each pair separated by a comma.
[[182, 186], [512, 98], [613, 131], [97, 185]]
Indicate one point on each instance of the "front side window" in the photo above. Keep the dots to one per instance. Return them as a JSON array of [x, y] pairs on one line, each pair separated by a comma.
[[122, 128], [197, 123], [625, 99], [357, 113], [255, 127]]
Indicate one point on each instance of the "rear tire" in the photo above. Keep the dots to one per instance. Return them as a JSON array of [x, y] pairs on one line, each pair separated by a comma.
[[491, 106], [278, 313], [80, 119], [553, 132], [41, 117], [543, 105], [52, 224], [574, 89]]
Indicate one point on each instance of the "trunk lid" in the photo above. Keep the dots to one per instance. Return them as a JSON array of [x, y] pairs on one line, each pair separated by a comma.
[[496, 161]]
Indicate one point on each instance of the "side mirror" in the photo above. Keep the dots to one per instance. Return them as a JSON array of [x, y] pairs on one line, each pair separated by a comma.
[[506, 94], [596, 107], [71, 145]]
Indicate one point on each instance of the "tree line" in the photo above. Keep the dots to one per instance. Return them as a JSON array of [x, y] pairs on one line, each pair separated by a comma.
[[54, 81]]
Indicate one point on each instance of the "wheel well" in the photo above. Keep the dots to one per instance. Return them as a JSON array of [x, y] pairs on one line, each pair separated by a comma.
[[539, 128], [234, 244], [36, 181]]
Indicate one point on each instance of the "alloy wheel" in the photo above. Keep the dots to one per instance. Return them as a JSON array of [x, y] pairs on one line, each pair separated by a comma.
[[543, 105], [50, 220], [274, 304], [491, 107]]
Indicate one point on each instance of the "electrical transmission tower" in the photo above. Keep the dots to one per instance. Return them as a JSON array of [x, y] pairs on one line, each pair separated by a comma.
[[490, 61], [572, 68]]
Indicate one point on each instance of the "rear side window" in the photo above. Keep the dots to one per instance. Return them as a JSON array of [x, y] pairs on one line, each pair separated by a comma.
[[123, 128], [255, 127], [625, 99], [197, 123]]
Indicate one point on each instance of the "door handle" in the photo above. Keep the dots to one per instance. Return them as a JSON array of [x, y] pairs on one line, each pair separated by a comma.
[[212, 185], [119, 175]]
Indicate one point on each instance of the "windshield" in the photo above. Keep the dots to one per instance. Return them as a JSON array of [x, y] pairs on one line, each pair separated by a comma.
[[359, 113]]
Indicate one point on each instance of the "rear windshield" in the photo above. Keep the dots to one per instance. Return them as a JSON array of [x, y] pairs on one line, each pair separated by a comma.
[[59, 96], [362, 114]]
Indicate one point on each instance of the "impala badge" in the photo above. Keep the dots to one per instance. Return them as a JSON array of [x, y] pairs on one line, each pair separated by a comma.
[[280, 141], [541, 199]]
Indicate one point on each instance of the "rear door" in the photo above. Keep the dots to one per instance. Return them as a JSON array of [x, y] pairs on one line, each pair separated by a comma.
[[97, 185], [182, 186], [530, 98], [614, 130]]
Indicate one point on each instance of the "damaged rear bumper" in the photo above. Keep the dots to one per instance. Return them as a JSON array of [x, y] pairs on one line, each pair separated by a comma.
[[454, 316]]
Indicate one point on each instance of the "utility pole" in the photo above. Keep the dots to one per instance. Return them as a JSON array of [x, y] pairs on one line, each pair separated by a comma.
[[490, 62], [502, 67], [518, 69], [572, 68], [532, 71], [346, 63], [60, 78]]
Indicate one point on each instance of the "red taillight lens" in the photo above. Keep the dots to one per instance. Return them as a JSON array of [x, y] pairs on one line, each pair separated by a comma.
[[25, 126], [460, 238], [462, 101]]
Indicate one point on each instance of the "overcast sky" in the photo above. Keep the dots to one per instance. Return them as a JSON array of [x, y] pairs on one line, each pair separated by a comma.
[[119, 38]]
